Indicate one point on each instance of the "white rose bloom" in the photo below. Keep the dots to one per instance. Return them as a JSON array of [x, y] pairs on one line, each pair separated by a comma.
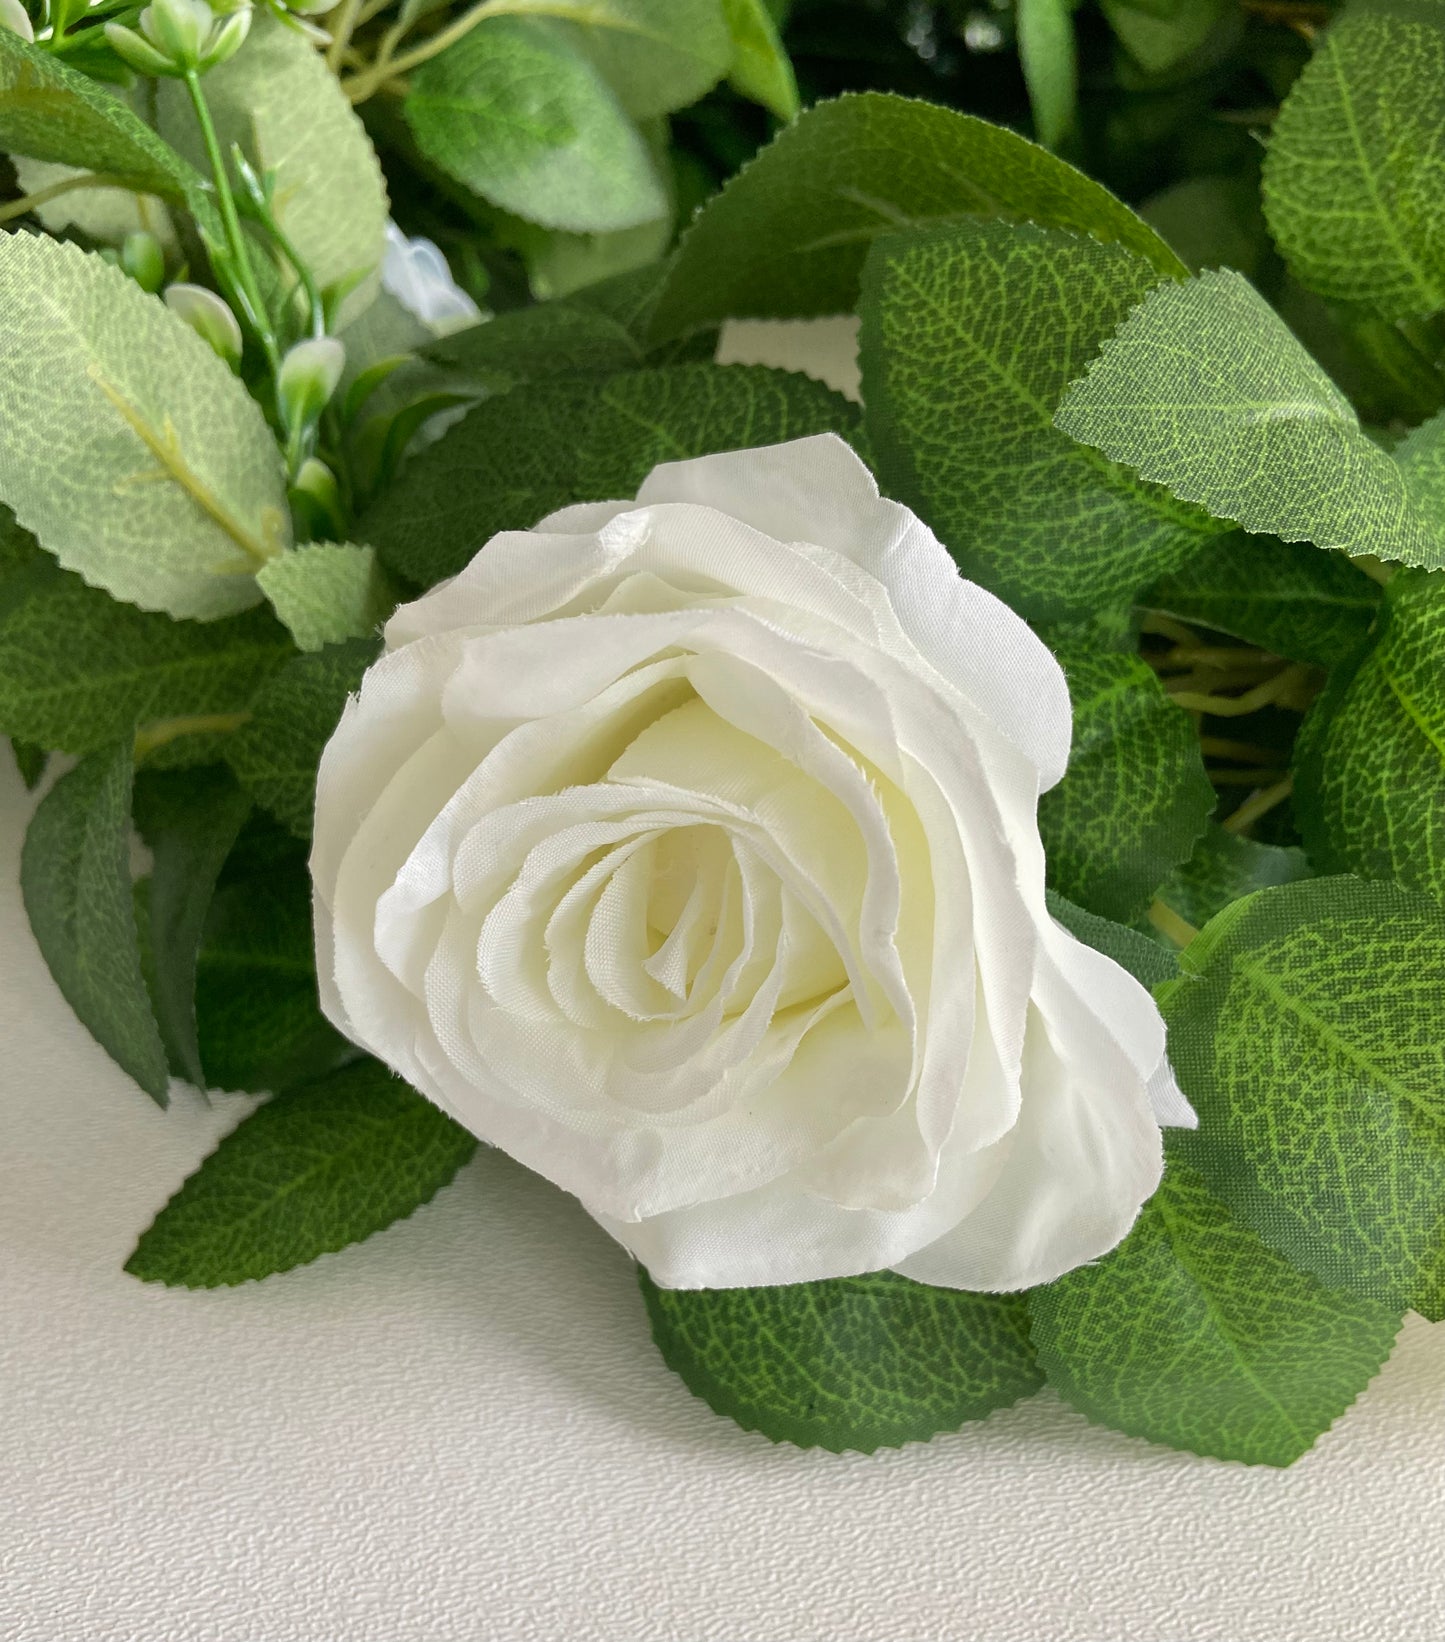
[[686, 850]]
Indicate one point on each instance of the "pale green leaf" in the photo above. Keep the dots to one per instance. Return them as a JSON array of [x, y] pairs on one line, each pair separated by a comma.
[[1421, 459], [1046, 54], [1305, 1032], [105, 215], [75, 877], [1370, 759], [1205, 390], [515, 113], [1193, 1333], [788, 234], [126, 445], [1354, 178], [1159, 37], [760, 69], [960, 403], [856, 1363], [312, 1171], [328, 592], [277, 99]]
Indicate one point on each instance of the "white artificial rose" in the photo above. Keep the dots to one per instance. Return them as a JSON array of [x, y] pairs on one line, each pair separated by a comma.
[[685, 849]]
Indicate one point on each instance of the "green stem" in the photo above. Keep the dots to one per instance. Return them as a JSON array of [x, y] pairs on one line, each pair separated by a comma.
[[341, 32], [245, 277], [41, 196]]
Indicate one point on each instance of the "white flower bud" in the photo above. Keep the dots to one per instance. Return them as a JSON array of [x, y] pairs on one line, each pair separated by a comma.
[[207, 315], [227, 37], [178, 29], [136, 52], [308, 377], [13, 16], [179, 37]]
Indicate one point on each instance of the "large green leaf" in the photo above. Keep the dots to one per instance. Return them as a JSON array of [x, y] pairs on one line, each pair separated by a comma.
[[327, 592], [277, 753], [514, 112], [1223, 868], [1305, 1033], [189, 820], [853, 1363], [1421, 459], [1135, 798], [1146, 960], [75, 877], [788, 234], [1286, 597], [517, 457], [1195, 1334], [1205, 389], [559, 338], [259, 1024], [1370, 761], [960, 403], [50, 112], [1352, 177], [310, 1172], [277, 99], [79, 672], [126, 445]]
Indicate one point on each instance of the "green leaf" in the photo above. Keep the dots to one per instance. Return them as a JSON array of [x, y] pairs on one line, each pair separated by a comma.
[[276, 755], [259, 1024], [1135, 797], [75, 878], [1352, 174], [310, 1172], [1046, 54], [50, 112], [277, 99], [79, 671], [559, 338], [517, 115], [189, 820], [856, 1363], [30, 761], [1204, 389], [517, 457], [960, 403], [1193, 1333], [1145, 959], [657, 55], [1224, 868], [1213, 222], [1421, 459], [126, 445], [1370, 759], [1158, 38], [760, 69], [1305, 1033], [788, 234], [1286, 597], [328, 592]]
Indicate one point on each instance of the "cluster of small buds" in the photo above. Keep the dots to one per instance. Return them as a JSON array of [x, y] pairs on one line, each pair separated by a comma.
[[180, 37]]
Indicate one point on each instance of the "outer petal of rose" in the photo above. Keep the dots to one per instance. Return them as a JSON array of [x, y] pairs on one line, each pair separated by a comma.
[[817, 490]]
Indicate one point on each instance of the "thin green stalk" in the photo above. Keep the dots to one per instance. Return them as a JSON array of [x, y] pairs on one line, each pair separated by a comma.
[[41, 196], [245, 277]]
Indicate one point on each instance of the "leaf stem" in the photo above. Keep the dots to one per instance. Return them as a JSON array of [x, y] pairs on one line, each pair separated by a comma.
[[42, 196], [157, 733], [1168, 922], [1260, 804], [244, 274], [1273, 690], [346, 21]]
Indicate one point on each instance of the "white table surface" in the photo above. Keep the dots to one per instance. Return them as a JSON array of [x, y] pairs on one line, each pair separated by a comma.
[[461, 1431]]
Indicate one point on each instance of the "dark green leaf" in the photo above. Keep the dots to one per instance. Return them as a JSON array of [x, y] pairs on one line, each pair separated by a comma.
[[1205, 390], [517, 457], [30, 760], [80, 671], [1195, 1334], [189, 820], [1286, 597], [1370, 760], [854, 1363], [1145, 959], [516, 113], [309, 1172], [1223, 868], [1305, 1033], [75, 877], [560, 338], [1352, 174], [277, 752], [1135, 797], [961, 399], [788, 234]]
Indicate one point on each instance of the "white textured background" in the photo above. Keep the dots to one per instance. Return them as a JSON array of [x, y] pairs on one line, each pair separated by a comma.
[[460, 1431]]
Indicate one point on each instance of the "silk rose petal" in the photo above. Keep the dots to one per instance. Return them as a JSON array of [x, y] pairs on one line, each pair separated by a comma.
[[686, 849]]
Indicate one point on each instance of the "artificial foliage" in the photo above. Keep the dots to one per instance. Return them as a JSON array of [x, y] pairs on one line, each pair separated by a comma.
[[1151, 313]]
